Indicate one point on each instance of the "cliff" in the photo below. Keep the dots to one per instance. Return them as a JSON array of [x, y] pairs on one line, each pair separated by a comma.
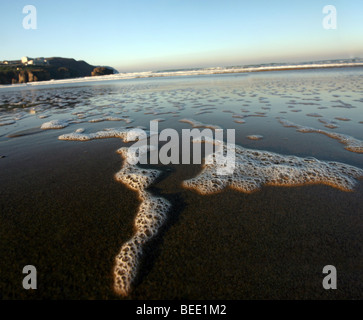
[[57, 68]]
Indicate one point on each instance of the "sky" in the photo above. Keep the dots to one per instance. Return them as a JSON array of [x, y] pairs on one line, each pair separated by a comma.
[[143, 35]]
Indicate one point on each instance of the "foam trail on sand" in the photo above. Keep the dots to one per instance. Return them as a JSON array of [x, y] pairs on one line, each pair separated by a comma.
[[331, 124], [253, 169], [127, 120], [122, 133], [255, 137], [55, 124], [314, 114], [151, 213], [352, 144], [150, 216]]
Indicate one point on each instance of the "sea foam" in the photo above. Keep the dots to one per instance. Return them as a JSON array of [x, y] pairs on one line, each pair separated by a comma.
[[149, 218], [151, 212], [54, 124], [254, 168], [255, 137], [352, 144]]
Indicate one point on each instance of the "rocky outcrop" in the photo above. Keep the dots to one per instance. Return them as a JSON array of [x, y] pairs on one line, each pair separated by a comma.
[[64, 72], [8, 77], [23, 77], [75, 68], [38, 75], [58, 68], [101, 71]]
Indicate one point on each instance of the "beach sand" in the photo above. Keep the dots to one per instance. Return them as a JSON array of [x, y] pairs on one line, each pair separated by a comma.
[[63, 212]]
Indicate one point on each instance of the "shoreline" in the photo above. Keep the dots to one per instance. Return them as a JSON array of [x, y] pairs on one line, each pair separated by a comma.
[[200, 72]]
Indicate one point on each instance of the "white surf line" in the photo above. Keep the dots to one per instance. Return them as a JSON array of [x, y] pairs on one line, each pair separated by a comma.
[[150, 216], [352, 144], [206, 71], [254, 168]]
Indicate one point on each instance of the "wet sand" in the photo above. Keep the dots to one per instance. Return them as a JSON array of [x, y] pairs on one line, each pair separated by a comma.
[[272, 244], [63, 211]]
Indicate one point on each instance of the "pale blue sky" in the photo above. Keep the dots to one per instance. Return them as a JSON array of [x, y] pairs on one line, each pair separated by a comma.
[[133, 35]]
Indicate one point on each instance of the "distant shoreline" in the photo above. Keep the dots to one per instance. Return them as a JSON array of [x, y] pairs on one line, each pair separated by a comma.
[[40, 69], [187, 72]]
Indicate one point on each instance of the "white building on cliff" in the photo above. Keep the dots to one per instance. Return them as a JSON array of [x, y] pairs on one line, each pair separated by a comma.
[[36, 61]]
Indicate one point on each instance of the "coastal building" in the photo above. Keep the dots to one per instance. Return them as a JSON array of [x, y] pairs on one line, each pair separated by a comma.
[[34, 61], [24, 60], [9, 62]]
